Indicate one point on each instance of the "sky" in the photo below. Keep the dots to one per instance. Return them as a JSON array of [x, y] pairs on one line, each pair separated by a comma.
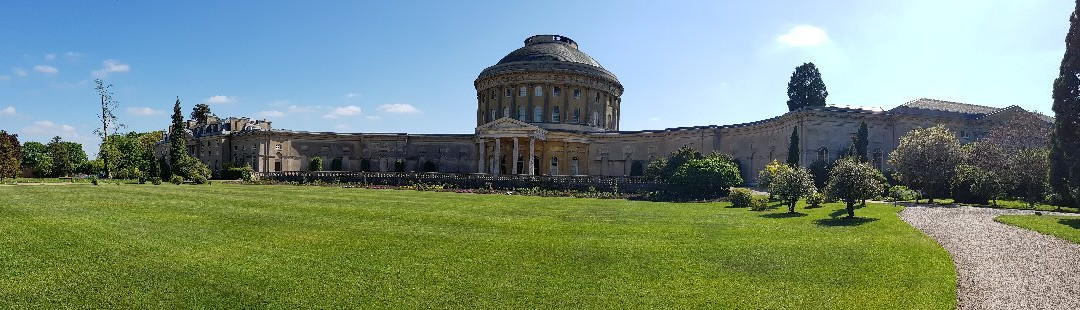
[[408, 66]]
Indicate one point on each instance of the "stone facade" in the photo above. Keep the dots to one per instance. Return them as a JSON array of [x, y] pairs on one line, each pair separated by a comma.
[[550, 109]]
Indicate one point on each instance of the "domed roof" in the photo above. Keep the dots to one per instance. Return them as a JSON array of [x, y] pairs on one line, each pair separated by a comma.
[[548, 53]]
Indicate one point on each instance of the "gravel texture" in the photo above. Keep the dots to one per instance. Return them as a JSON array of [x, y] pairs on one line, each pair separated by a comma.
[[1000, 266]]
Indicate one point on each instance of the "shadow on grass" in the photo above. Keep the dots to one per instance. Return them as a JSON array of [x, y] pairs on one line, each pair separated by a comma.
[[843, 211], [1074, 223], [783, 215], [844, 221]]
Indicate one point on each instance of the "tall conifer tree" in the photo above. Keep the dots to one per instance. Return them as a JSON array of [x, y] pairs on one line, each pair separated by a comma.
[[1065, 143], [862, 141], [793, 149], [806, 89], [177, 147]]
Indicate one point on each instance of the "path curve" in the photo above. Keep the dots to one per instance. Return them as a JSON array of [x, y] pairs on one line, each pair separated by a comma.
[[1000, 266]]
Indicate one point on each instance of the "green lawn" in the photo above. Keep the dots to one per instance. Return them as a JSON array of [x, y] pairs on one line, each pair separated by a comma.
[[1064, 227], [236, 246]]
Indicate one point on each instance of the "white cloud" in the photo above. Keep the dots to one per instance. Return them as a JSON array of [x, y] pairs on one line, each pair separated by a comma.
[[345, 111], [219, 99], [19, 71], [352, 95], [10, 110], [144, 111], [50, 56], [271, 113], [803, 36], [372, 117], [48, 128], [399, 108], [110, 66], [46, 69]]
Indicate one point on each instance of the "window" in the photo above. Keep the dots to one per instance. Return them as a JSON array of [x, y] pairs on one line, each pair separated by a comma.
[[574, 166], [506, 112], [556, 91], [555, 114], [521, 92], [595, 118], [521, 114], [554, 166], [492, 94], [823, 154], [507, 92], [538, 114], [577, 93], [491, 116], [597, 99], [538, 91], [577, 115], [878, 159]]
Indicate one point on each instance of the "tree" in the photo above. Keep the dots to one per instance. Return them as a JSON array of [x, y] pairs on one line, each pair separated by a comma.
[[862, 142], [704, 178], [200, 113], [10, 155], [791, 184], [108, 119], [820, 171], [316, 164], [806, 89], [1030, 174], [66, 157], [1065, 142], [926, 159], [971, 184], [852, 181], [767, 175], [177, 147], [793, 148], [36, 157]]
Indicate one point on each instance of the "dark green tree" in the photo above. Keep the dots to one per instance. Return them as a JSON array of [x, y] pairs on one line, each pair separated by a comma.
[[61, 156], [806, 89], [793, 149], [1065, 141], [852, 181], [200, 113], [36, 156], [10, 155], [862, 141], [316, 164], [177, 147], [107, 117]]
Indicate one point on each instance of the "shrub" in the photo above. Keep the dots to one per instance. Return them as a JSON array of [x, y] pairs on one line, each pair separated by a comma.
[[789, 184], [902, 193], [175, 179], [335, 165], [853, 181], [94, 180], [155, 180], [705, 178], [190, 167], [759, 202], [740, 197], [973, 185], [815, 200], [399, 165], [237, 173], [365, 165], [820, 171], [199, 179], [637, 168], [316, 164]]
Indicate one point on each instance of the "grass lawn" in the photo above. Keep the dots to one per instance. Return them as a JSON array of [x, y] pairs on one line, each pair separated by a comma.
[[237, 246], [1064, 227], [1006, 204]]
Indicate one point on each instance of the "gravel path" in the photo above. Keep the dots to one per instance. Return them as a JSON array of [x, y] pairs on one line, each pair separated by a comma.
[[1000, 266]]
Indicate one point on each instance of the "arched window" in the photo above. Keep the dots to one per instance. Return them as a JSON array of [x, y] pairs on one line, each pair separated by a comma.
[[597, 99], [577, 115], [521, 114], [555, 114], [556, 91], [520, 164], [554, 165], [574, 166], [491, 116], [506, 112], [879, 159], [538, 91], [538, 114], [521, 92], [823, 154]]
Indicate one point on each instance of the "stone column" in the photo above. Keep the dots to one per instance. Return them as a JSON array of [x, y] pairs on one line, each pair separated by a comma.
[[480, 161], [532, 150], [514, 169], [498, 157]]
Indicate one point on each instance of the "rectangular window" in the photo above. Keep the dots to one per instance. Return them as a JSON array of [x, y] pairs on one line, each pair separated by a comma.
[[555, 114], [538, 91], [521, 114], [556, 91], [577, 94], [577, 115], [521, 92], [507, 92]]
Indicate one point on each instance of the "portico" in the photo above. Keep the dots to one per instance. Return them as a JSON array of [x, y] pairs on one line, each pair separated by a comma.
[[489, 141]]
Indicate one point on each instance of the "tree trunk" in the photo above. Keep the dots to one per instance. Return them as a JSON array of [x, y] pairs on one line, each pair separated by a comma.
[[104, 137], [851, 209], [791, 207]]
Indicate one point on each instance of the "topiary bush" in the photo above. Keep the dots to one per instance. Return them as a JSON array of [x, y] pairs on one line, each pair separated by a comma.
[[815, 200], [155, 180], [199, 179], [759, 203], [740, 197], [902, 193], [175, 179], [94, 180]]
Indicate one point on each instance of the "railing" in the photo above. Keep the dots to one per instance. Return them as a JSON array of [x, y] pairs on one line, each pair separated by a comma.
[[460, 180]]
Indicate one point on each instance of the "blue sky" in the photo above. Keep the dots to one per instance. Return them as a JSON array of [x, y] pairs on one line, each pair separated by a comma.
[[408, 66]]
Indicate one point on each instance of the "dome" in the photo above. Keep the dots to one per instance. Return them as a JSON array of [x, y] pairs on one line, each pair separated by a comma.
[[548, 53]]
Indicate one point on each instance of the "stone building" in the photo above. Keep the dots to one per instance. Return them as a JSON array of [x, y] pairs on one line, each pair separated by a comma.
[[548, 108]]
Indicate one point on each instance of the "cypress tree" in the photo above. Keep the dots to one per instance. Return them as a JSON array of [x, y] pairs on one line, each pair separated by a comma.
[[861, 142], [793, 149], [1065, 141], [806, 89], [177, 147]]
